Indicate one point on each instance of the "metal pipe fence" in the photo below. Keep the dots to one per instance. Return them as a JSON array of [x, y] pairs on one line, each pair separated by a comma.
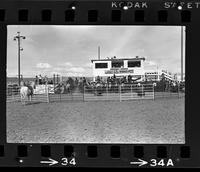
[[103, 93], [119, 92], [13, 94]]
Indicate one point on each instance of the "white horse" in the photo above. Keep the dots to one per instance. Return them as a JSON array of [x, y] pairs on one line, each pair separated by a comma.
[[26, 91]]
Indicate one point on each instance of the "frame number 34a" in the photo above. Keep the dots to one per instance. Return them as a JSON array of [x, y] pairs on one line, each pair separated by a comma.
[[162, 162]]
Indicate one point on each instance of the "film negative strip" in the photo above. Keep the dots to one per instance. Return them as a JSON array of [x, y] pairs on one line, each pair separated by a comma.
[[99, 83]]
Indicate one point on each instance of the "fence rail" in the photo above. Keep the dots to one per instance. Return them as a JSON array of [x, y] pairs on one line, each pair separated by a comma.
[[13, 95], [105, 93], [119, 93]]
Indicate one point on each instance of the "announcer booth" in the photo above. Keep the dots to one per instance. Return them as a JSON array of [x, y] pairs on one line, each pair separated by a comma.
[[121, 67]]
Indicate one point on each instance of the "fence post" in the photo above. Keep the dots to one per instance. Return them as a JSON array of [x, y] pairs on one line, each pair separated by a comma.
[[178, 91], [18, 94], [47, 90], [83, 93], [71, 95], [131, 92], [60, 93], [54, 83], [13, 98], [107, 91], [153, 92], [142, 91], [120, 93]]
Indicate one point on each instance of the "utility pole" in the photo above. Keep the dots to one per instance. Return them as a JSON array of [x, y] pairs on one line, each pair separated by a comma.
[[98, 52], [18, 38], [181, 53]]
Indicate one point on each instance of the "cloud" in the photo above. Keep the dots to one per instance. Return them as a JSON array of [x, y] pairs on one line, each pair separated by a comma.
[[88, 65], [151, 63], [76, 69], [68, 71], [58, 69], [135, 40], [43, 65], [75, 74], [68, 64]]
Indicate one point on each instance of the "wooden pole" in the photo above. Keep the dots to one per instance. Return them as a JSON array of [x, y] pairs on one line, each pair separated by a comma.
[[181, 53], [19, 79], [98, 52]]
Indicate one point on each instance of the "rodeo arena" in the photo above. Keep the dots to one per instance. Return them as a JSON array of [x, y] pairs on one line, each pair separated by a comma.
[[114, 79], [120, 103]]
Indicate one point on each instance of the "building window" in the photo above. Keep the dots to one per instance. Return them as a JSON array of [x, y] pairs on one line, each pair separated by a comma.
[[117, 64], [134, 64], [101, 65]]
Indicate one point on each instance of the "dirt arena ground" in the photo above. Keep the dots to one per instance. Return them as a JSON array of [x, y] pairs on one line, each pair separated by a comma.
[[139, 121]]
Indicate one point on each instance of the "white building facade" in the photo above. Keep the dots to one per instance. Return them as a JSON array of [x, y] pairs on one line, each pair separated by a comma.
[[127, 66], [156, 75], [120, 67]]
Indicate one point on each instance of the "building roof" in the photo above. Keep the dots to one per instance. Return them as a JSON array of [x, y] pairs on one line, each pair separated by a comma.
[[120, 59]]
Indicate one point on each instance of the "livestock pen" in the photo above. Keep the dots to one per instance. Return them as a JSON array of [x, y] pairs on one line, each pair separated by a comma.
[[45, 93]]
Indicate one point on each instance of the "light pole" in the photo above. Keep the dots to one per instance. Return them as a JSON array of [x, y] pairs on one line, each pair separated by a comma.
[[98, 52], [181, 53], [18, 38]]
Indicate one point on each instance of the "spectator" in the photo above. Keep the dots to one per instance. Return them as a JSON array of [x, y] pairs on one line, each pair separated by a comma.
[[43, 80], [84, 81], [50, 82], [46, 79], [36, 80], [40, 79], [76, 81], [98, 79], [108, 81], [22, 77]]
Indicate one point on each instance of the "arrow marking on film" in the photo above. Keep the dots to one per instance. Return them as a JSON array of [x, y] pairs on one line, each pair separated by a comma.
[[50, 162], [140, 162]]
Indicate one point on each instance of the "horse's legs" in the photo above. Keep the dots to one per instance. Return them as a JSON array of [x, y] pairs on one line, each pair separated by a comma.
[[22, 100], [29, 98]]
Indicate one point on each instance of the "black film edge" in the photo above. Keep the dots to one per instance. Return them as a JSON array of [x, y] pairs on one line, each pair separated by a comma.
[[31, 149]]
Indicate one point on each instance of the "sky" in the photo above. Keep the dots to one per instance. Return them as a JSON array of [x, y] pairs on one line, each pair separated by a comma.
[[68, 50]]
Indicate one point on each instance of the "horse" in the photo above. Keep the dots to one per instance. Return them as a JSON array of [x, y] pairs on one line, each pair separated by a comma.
[[98, 89], [62, 88], [26, 90], [68, 85]]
